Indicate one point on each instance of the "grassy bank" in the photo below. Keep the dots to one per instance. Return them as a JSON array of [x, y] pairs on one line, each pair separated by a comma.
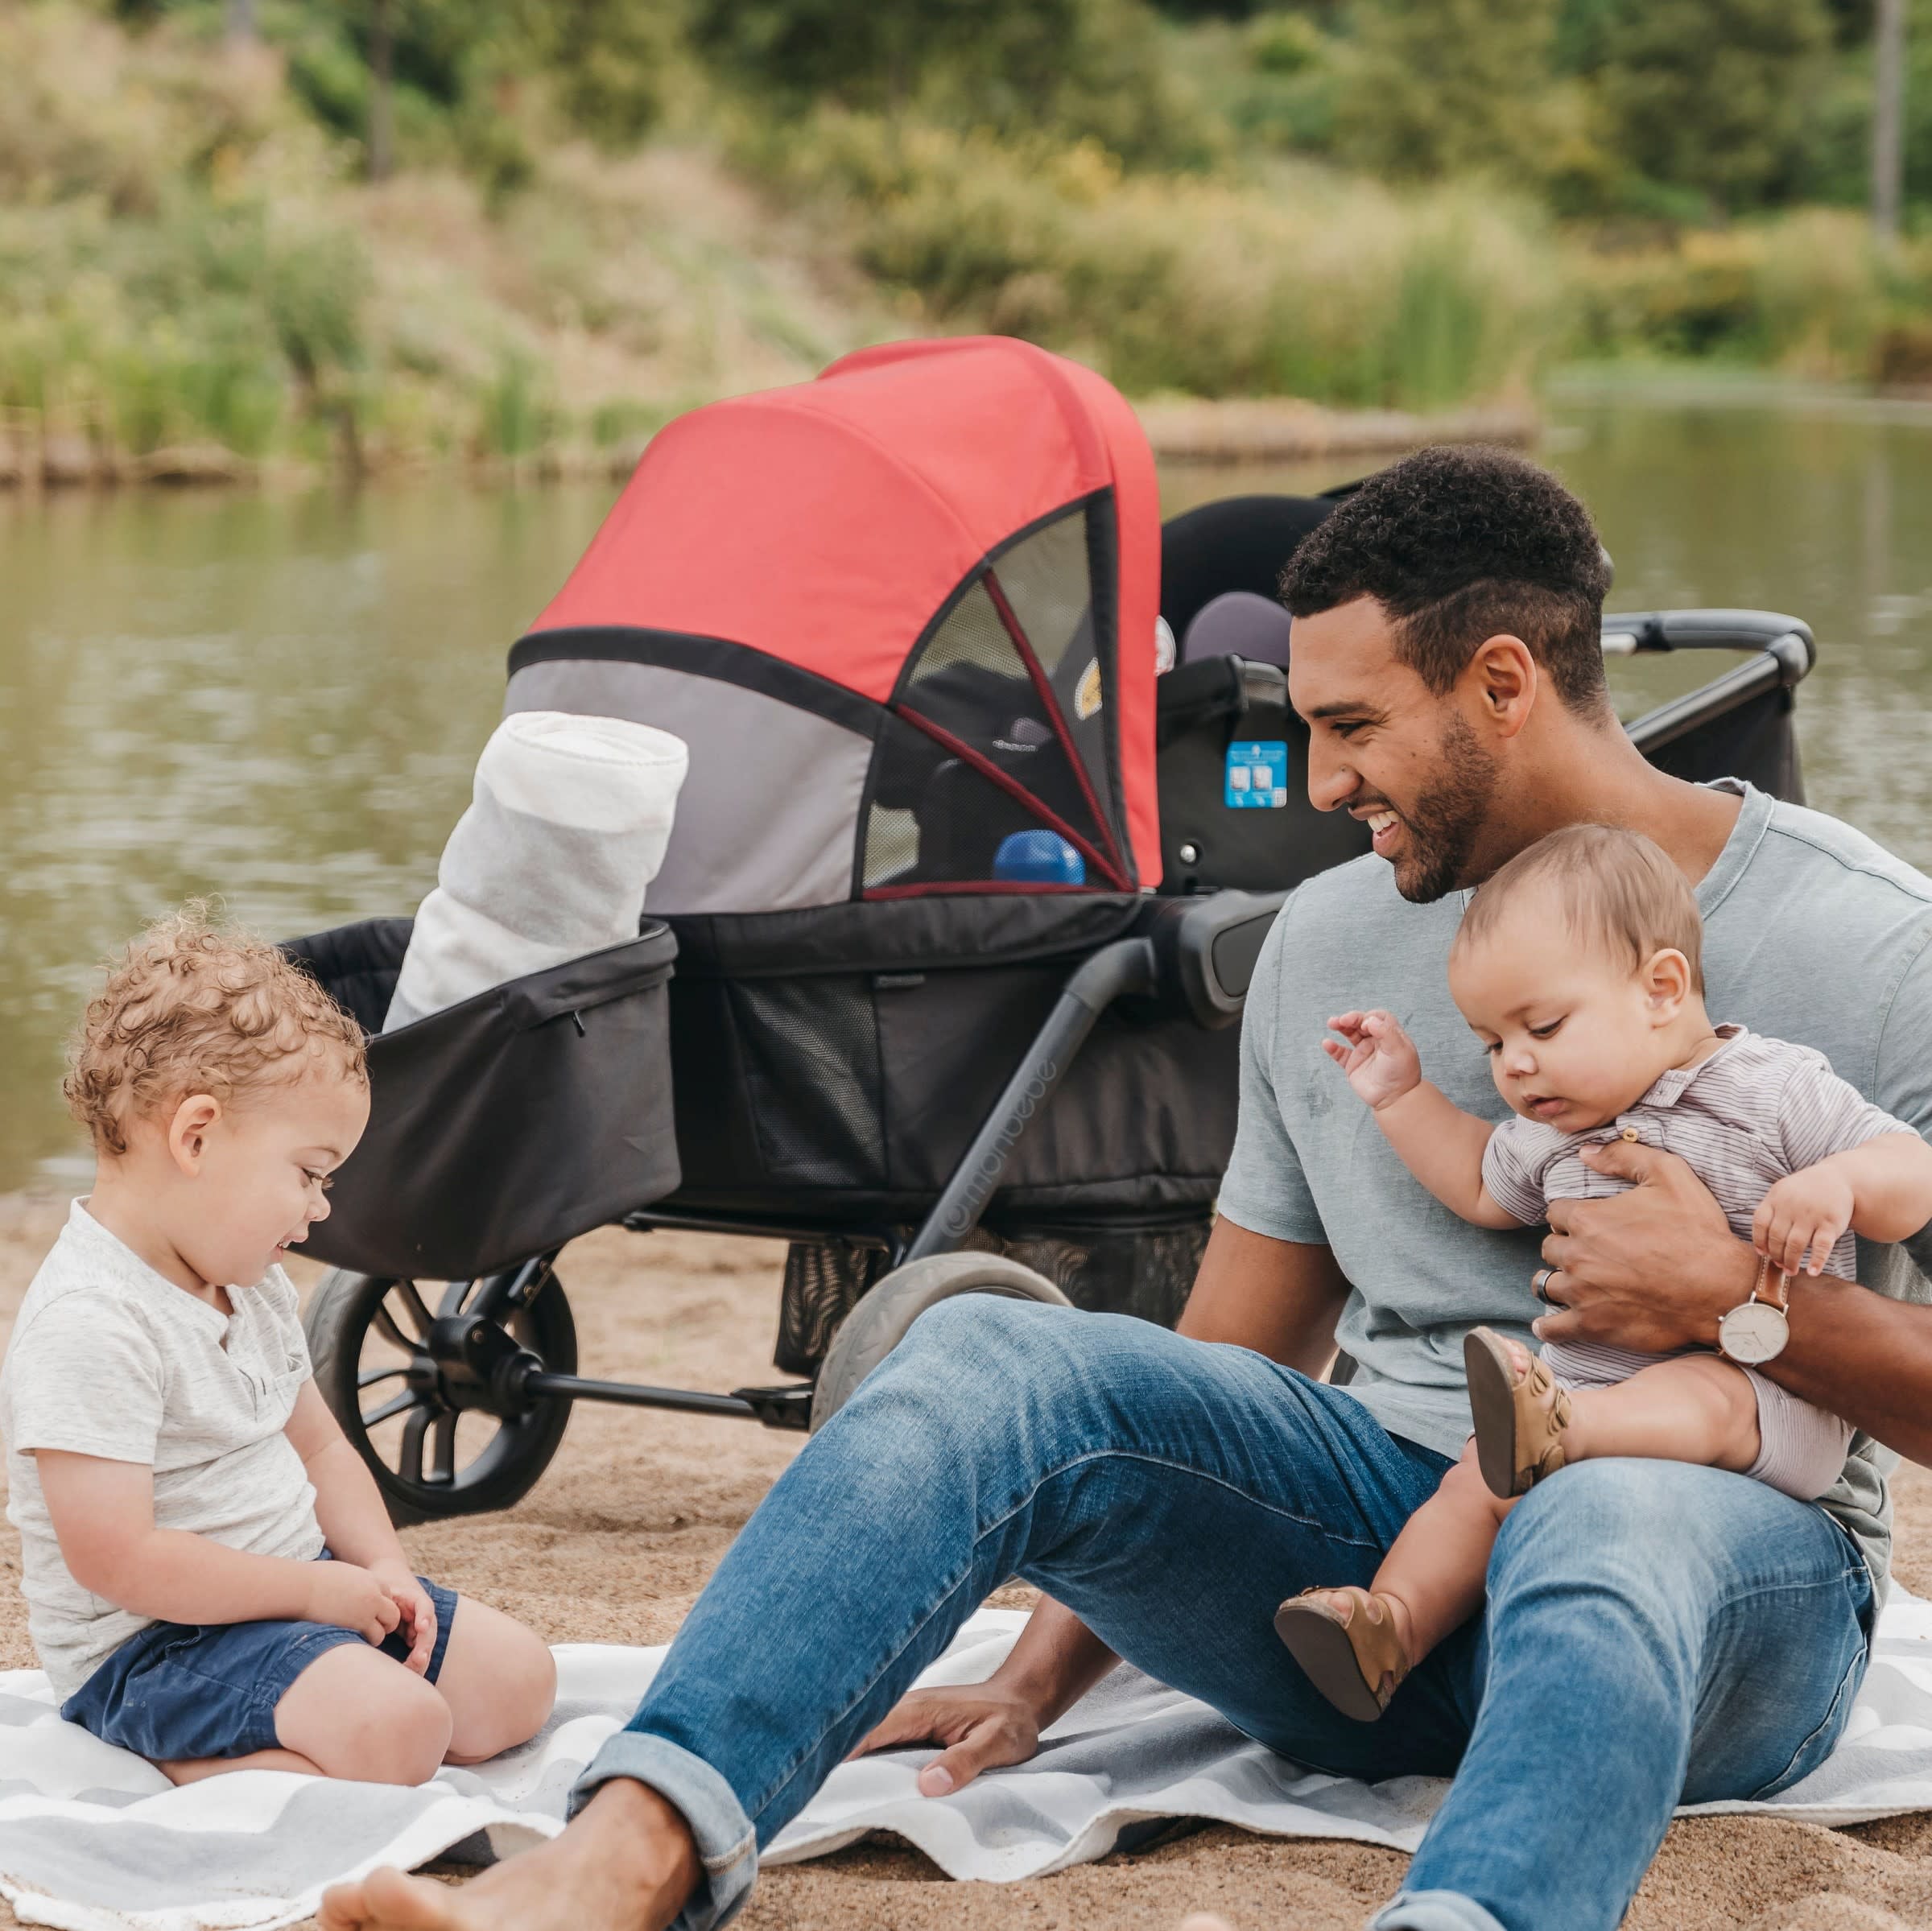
[[194, 280], [187, 264]]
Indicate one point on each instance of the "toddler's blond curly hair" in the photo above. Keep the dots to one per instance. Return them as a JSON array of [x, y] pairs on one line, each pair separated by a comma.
[[193, 1007]]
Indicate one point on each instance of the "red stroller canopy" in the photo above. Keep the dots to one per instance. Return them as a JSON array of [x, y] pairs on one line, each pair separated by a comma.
[[897, 611]]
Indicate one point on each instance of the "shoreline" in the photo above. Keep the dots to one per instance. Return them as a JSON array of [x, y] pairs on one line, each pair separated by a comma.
[[35, 461], [1187, 432]]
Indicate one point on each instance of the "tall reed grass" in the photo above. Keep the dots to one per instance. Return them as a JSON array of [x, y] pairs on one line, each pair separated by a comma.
[[1300, 283]]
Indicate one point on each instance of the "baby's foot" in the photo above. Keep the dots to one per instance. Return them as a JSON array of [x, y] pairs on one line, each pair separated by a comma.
[[1519, 1412], [1352, 1645]]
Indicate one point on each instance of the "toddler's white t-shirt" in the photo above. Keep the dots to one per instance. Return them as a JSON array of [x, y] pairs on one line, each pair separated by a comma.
[[109, 1358]]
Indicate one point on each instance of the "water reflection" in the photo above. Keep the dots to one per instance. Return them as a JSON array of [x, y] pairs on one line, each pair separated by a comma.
[[279, 699]]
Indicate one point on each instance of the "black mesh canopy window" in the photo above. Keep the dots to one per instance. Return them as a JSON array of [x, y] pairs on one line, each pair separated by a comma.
[[1001, 726]]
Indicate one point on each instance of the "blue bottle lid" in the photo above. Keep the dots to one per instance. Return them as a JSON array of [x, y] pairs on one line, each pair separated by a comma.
[[1038, 858]]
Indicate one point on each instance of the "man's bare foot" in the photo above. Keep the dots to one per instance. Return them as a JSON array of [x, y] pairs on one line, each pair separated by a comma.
[[626, 1863], [1204, 1921]]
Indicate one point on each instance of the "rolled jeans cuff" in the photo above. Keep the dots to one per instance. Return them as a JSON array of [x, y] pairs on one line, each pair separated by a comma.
[[727, 1845], [1432, 1911]]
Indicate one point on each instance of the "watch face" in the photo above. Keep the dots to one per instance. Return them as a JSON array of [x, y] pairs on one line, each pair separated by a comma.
[[1754, 1332]]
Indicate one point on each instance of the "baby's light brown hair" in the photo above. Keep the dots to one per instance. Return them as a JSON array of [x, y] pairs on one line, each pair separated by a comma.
[[1617, 890], [196, 1008]]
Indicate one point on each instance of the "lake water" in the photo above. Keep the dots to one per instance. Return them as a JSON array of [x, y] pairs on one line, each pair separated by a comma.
[[280, 699]]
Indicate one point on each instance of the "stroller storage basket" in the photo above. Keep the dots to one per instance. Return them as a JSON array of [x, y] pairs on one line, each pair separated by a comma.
[[834, 1064], [504, 1126]]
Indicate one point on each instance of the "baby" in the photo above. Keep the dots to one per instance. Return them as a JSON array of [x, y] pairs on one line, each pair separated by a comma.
[[211, 1579], [1577, 965]]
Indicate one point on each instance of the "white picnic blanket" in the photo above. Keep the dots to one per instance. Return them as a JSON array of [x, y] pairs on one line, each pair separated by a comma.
[[94, 1839], [566, 825]]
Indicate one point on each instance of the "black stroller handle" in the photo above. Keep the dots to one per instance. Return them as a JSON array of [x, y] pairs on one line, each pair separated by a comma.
[[1782, 648], [1126, 967], [1630, 633]]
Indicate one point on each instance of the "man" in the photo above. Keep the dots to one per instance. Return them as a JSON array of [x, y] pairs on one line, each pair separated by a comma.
[[1654, 1631]]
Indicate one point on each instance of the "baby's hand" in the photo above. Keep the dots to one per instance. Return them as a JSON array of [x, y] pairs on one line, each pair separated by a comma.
[[352, 1598], [1806, 1212], [1379, 1058]]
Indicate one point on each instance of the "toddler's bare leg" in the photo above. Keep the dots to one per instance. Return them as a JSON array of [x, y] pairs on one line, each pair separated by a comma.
[[356, 1713], [1433, 1573], [1356, 1646], [192, 1770], [1697, 1408], [499, 1680]]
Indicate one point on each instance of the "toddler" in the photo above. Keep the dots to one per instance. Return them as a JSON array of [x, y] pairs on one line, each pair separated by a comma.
[[211, 1579], [1577, 965]]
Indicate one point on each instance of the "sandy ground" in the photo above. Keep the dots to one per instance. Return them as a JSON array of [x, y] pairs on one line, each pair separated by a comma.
[[617, 1541]]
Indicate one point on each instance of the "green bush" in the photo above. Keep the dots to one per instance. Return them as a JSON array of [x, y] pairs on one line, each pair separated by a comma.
[[1447, 87], [1809, 293], [1719, 96], [1067, 69]]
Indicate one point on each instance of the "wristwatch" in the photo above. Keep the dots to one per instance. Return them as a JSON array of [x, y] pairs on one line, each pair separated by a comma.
[[1756, 1329]]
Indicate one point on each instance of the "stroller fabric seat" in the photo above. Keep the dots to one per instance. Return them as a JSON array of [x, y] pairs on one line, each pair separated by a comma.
[[1238, 623]]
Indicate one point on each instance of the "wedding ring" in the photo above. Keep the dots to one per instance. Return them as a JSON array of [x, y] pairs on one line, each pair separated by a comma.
[[1539, 1283]]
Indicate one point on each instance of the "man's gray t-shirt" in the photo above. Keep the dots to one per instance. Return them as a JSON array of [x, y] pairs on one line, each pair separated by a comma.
[[1812, 933]]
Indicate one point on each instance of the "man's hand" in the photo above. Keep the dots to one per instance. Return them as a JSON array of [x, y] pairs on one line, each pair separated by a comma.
[[1653, 1268], [418, 1611], [1805, 1212], [983, 1727], [352, 1598], [1378, 1057]]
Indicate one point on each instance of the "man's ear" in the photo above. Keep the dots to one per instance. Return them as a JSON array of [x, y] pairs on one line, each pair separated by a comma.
[[188, 1131], [1504, 679], [1667, 980]]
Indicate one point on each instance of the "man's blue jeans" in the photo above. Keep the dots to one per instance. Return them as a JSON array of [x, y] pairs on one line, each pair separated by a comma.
[[1653, 1631]]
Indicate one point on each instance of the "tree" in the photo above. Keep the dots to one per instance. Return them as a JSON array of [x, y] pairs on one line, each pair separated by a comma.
[[381, 89], [1075, 66], [610, 61], [1716, 96], [1451, 86], [1887, 119]]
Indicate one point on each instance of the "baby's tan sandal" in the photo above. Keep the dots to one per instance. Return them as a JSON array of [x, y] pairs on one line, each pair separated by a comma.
[[1520, 1417], [1352, 1654]]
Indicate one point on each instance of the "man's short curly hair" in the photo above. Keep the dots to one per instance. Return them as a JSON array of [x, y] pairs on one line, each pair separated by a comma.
[[1460, 545], [192, 1008]]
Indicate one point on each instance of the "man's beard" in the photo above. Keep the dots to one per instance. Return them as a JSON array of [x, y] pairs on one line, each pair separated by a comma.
[[1446, 823]]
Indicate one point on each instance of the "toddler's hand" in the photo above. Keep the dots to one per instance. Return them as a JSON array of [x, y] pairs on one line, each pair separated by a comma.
[[1379, 1058], [352, 1598], [1805, 1212], [418, 1612]]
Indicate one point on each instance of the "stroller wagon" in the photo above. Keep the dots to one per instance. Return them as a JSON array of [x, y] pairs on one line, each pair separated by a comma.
[[937, 979]]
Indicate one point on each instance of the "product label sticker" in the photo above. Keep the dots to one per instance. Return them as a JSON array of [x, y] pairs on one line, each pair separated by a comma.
[[1087, 693], [1258, 775]]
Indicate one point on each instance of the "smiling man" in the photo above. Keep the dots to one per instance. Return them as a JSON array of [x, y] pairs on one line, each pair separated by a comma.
[[1653, 1631]]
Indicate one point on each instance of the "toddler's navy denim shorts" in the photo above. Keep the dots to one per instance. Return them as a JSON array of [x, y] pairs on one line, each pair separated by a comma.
[[177, 1692]]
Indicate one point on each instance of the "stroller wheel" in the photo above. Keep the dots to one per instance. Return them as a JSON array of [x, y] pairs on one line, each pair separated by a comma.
[[878, 1322], [432, 1452]]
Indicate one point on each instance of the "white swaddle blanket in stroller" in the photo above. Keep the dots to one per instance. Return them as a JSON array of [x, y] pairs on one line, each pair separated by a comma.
[[567, 826]]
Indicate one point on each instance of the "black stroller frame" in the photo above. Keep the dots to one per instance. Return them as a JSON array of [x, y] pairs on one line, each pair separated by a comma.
[[503, 1346], [1210, 960]]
